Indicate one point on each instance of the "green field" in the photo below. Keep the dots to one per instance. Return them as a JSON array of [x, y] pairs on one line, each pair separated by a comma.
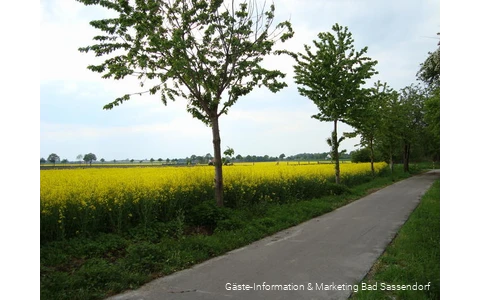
[[412, 261]]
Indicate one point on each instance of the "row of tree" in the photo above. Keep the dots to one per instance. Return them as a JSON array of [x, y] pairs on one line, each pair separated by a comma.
[[204, 159], [210, 53], [54, 158]]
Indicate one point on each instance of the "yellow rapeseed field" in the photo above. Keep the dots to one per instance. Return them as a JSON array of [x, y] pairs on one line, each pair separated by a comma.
[[75, 201]]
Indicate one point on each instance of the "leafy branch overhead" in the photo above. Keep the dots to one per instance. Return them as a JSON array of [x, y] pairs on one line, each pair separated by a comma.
[[192, 49]]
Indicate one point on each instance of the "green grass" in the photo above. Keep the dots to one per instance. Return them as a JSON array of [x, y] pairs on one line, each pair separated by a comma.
[[107, 264], [412, 257]]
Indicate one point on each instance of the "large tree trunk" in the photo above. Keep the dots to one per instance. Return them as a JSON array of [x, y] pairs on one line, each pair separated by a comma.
[[406, 157], [335, 152], [217, 161]]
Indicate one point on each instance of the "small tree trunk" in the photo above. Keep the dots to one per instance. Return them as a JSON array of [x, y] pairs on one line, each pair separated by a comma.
[[335, 152], [391, 162], [406, 157], [372, 158], [217, 161]]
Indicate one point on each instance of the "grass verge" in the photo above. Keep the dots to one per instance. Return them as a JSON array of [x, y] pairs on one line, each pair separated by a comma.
[[412, 258], [107, 264]]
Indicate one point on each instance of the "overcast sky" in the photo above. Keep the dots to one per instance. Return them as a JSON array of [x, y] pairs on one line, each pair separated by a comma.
[[399, 35]]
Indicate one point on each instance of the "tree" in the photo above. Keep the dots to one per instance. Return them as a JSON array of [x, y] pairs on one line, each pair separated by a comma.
[[412, 99], [206, 52], [42, 160], [132, 160], [282, 156], [79, 158], [366, 118], [432, 118], [390, 131], [228, 155], [102, 160], [89, 158], [152, 160], [361, 155], [429, 74], [53, 158], [332, 77], [64, 161], [160, 160], [429, 71]]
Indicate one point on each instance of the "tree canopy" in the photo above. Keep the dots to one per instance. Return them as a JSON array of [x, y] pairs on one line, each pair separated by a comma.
[[367, 119], [332, 76], [207, 52], [53, 158], [429, 71], [90, 157], [429, 74]]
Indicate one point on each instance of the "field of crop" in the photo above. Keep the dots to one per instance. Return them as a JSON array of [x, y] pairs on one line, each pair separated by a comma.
[[84, 201], [172, 164]]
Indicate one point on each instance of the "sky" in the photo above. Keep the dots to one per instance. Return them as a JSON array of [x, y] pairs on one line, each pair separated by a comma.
[[398, 34]]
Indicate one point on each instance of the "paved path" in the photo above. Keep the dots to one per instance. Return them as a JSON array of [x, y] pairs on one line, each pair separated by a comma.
[[328, 254]]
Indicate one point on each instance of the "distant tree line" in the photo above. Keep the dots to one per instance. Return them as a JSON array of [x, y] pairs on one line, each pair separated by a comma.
[[87, 159], [229, 158]]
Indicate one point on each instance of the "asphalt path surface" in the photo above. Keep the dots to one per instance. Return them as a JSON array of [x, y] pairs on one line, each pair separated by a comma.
[[323, 258]]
